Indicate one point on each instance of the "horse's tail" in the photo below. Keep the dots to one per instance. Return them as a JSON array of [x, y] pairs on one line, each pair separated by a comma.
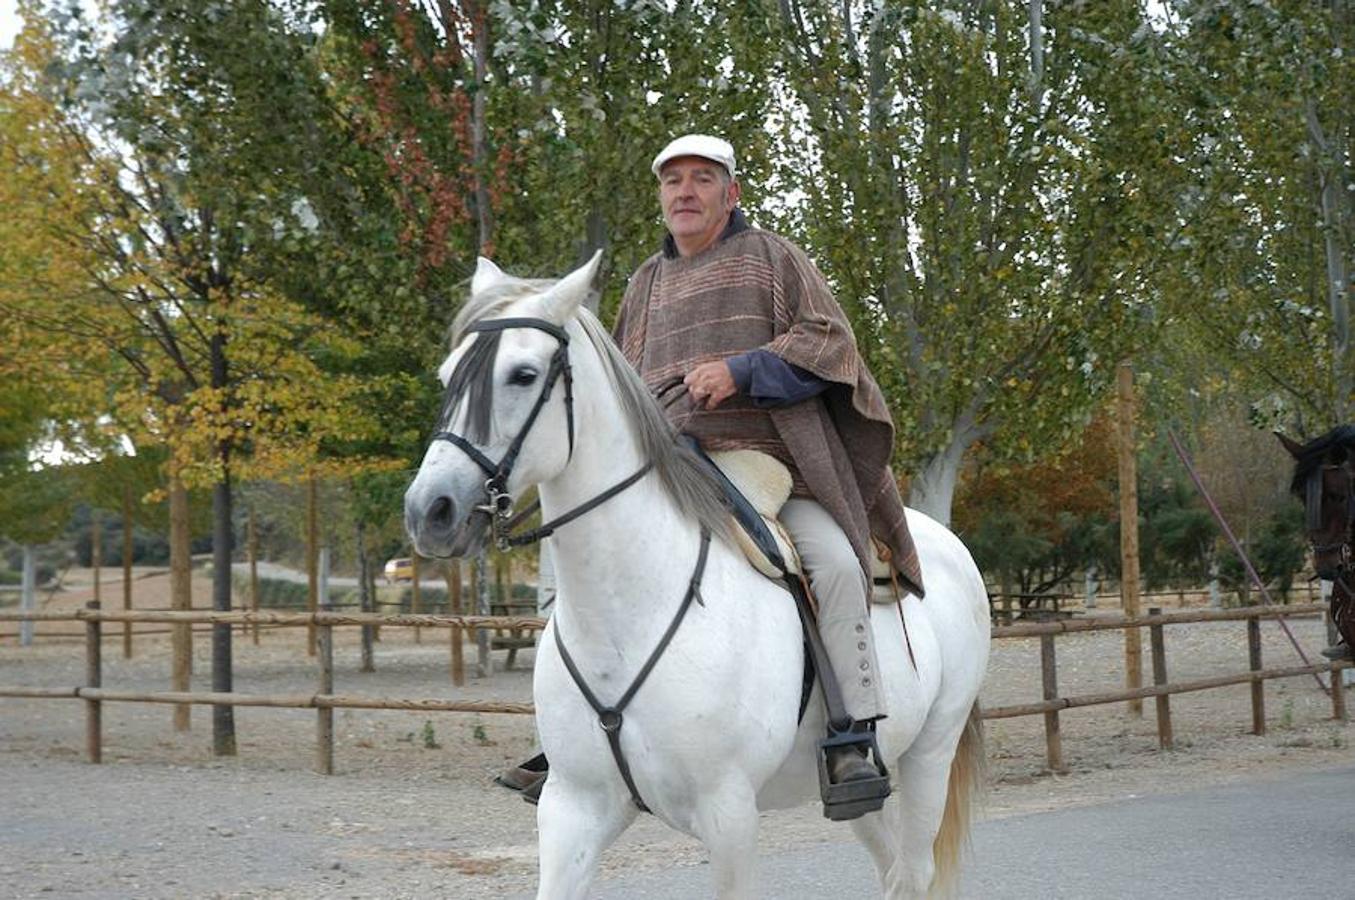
[[966, 781]]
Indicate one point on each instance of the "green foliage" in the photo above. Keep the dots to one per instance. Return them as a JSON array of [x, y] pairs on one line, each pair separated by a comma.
[[1278, 551], [1260, 273], [988, 226], [35, 504], [237, 232]]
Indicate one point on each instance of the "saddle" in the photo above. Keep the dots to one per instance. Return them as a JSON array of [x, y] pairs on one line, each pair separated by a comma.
[[756, 486]]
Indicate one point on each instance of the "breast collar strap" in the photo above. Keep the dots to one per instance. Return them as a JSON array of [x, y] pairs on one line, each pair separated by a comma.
[[498, 502]]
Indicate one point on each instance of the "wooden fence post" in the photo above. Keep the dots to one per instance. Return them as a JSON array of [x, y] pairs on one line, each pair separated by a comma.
[[93, 679], [1164, 710], [1258, 687], [1049, 677], [324, 646], [1338, 692]]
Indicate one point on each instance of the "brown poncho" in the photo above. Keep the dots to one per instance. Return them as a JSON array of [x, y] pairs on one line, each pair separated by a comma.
[[756, 289]]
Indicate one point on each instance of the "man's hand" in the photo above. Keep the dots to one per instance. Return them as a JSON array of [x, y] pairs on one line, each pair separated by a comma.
[[710, 384]]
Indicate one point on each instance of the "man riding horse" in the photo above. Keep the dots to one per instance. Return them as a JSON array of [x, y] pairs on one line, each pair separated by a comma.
[[769, 361]]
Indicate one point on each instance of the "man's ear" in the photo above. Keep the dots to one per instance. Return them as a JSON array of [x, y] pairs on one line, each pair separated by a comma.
[[486, 276], [562, 300], [732, 195]]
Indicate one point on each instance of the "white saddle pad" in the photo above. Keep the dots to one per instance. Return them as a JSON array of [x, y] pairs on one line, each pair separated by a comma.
[[766, 482]]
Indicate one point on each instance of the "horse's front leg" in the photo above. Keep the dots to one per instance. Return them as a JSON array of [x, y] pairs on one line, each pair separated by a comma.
[[573, 827], [726, 821]]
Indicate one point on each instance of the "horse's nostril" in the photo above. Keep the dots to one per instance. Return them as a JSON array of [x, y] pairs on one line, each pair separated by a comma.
[[442, 513]]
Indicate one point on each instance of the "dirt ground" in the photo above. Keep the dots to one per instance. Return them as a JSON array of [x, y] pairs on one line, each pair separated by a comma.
[[411, 812]]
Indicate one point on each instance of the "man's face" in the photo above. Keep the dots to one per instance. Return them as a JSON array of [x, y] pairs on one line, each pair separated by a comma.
[[697, 197]]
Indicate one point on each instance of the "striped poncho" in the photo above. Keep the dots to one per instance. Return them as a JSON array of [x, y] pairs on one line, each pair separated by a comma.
[[756, 289]]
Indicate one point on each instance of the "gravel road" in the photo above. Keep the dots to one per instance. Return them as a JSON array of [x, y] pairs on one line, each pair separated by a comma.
[[1263, 840], [411, 814]]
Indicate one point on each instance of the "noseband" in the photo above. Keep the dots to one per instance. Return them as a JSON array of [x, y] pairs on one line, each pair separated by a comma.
[[498, 503]]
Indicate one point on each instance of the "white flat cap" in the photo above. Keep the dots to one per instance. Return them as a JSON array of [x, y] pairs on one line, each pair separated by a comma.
[[703, 145]]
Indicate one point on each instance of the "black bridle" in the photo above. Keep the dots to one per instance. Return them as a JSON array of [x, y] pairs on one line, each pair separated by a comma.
[[498, 503], [1314, 493], [498, 506]]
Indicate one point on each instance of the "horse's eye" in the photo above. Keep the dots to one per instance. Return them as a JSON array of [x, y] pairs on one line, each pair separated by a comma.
[[522, 376]]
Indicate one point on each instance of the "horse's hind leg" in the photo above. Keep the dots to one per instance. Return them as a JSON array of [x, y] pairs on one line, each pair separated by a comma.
[[726, 822], [922, 780], [878, 832], [574, 827]]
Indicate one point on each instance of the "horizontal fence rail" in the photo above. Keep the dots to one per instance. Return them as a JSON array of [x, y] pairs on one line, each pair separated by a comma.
[[325, 699]]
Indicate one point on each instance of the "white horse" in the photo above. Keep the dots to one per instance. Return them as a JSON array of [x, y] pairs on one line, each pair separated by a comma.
[[711, 737]]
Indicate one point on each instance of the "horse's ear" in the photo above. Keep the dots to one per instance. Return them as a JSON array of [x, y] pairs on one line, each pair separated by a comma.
[[1294, 447], [564, 298], [486, 275]]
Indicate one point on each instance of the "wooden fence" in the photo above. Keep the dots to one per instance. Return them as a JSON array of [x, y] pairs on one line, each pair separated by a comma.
[[1162, 689], [324, 700]]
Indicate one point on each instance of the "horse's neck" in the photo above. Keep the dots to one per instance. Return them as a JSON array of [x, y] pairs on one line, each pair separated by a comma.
[[621, 555]]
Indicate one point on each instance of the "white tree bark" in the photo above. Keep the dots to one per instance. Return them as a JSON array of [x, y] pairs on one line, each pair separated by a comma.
[[1333, 214], [932, 489]]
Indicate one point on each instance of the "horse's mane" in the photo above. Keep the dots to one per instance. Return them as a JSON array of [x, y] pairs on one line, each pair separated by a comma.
[[687, 479], [1314, 453]]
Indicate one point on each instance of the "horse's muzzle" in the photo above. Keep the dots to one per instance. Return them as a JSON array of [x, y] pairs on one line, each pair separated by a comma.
[[438, 530]]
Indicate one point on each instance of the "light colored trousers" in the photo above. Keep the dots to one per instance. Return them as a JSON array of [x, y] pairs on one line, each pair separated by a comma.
[[843, 592]]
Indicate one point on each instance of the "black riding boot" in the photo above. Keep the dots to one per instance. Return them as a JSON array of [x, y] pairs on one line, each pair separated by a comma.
[[527, 778], [852, 762]]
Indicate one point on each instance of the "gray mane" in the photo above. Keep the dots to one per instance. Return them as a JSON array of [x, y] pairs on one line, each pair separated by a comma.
[[685, 477]]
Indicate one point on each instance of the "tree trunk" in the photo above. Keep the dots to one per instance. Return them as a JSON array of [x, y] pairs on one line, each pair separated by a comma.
[[181, 596], [484, 664], [364, 599], [96, 554], [480, 127], [223, 717], [29, 596], [312, 557], [1332, 202], [128, 548], [932, 488], [252, 545]]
